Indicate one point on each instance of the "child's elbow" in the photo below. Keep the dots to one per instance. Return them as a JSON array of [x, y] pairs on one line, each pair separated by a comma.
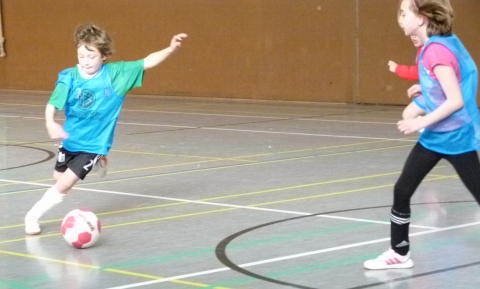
[[458, 104]]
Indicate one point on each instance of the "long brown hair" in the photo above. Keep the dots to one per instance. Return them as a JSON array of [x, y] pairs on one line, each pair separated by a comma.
[[438, 13]]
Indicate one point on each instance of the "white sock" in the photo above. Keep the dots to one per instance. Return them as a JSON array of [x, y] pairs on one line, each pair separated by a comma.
[[50, 199]]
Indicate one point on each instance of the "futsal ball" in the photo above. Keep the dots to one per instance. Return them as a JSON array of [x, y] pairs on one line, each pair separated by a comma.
[[81, 228]]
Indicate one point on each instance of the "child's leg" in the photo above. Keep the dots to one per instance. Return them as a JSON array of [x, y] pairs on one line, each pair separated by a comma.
[[52, 197], [412, 111], [467, 166], [418, 164]]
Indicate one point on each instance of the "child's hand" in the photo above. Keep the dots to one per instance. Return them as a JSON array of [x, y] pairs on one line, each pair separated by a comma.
[[55, 131], [392, 66], [414, 91], [177, 41], [408, 126]]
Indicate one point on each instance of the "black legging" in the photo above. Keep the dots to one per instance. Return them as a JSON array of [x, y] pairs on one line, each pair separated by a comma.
[[421, 161]]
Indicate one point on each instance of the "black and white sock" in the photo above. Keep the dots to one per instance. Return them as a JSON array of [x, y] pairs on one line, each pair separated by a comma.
[[400, 223]]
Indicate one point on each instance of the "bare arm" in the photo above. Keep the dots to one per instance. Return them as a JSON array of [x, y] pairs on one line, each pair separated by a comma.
[[450, 86], [158, 57], [54, 129]]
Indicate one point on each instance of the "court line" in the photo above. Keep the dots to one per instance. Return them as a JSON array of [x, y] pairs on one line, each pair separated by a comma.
[[213, 128], [263, 131], [225, 196], [122, 272], [293, 256], [228, 166], [231, 206], [308, 134], [130, 152], [347, 121], [295, 116]]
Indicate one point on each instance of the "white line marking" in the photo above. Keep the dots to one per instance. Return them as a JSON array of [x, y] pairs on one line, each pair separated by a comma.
[[206, 114], [309, 134], [184, 276], [215, 204], [151, 124], [349, 121]]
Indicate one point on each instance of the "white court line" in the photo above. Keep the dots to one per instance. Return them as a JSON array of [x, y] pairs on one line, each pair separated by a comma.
[[253, 131], [349, 121], [206, 114], [150, 124], [184, 276], [217, 204], [309, 134]]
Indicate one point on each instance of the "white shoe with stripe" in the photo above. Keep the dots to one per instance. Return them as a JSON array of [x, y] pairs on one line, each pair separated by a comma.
[[389, 260]]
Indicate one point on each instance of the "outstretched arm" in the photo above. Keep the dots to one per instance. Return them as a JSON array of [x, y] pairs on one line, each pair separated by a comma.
[[158, 57]]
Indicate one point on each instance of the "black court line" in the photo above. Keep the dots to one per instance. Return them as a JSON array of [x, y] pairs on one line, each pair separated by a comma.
[[221, 254], [50, 155]]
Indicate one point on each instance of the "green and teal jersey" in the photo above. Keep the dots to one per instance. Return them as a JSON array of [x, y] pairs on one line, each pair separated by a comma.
[[92, 106], [125, 76]]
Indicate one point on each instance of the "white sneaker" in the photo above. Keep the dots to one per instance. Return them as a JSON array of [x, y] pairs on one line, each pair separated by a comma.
[[32, 227], [389, 260]]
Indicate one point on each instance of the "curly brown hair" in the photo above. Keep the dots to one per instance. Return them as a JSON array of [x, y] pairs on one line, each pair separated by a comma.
[[91, 35]]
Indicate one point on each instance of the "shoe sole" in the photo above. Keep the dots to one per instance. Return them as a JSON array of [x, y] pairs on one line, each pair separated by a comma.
[[406, 265]]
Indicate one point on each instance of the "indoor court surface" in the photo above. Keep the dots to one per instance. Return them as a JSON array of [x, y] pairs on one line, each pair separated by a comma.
[[233, 194]]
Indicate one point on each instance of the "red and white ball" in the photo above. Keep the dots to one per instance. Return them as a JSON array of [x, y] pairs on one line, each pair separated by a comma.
[[81, 228]]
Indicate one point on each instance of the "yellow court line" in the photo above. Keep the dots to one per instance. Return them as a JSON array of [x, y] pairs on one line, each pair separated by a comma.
[[216, 168], [228, 196], [122, 272], [174, 155], [222, 210], [131, 152], [111, 173], [47, 259], [240, 165], [312, 149], [147, 276], [339, 193], [129, 223]]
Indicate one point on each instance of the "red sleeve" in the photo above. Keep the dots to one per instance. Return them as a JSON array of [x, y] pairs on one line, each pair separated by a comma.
[[407, 72]]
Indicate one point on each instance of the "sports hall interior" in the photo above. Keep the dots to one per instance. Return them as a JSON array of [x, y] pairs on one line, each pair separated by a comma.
[[262, 154]]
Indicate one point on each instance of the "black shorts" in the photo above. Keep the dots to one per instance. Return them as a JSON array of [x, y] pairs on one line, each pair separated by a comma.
[[80, 163]]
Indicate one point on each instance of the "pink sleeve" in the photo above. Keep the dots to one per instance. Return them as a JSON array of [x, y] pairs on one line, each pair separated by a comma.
[[438, 54]]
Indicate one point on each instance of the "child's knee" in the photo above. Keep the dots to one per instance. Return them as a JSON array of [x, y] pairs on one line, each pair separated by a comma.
[[57, 175]]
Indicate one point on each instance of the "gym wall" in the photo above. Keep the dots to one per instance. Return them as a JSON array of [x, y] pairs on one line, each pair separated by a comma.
[[294, 50]]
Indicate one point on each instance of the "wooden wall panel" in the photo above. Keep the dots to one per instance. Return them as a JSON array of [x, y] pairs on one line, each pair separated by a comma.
[[297, 50], [381, 40]]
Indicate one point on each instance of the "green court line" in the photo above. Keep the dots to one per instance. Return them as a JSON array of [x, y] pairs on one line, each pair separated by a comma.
[[13, 285], [342, 262], [238, 246], [268, 240], [21, 283], [127, 273]]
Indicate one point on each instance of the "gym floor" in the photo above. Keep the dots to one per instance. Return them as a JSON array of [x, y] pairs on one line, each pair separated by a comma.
[[210, 193]]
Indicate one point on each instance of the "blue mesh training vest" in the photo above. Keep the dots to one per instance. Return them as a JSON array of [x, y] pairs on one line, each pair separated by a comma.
[[459, 132], [91, 111]]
